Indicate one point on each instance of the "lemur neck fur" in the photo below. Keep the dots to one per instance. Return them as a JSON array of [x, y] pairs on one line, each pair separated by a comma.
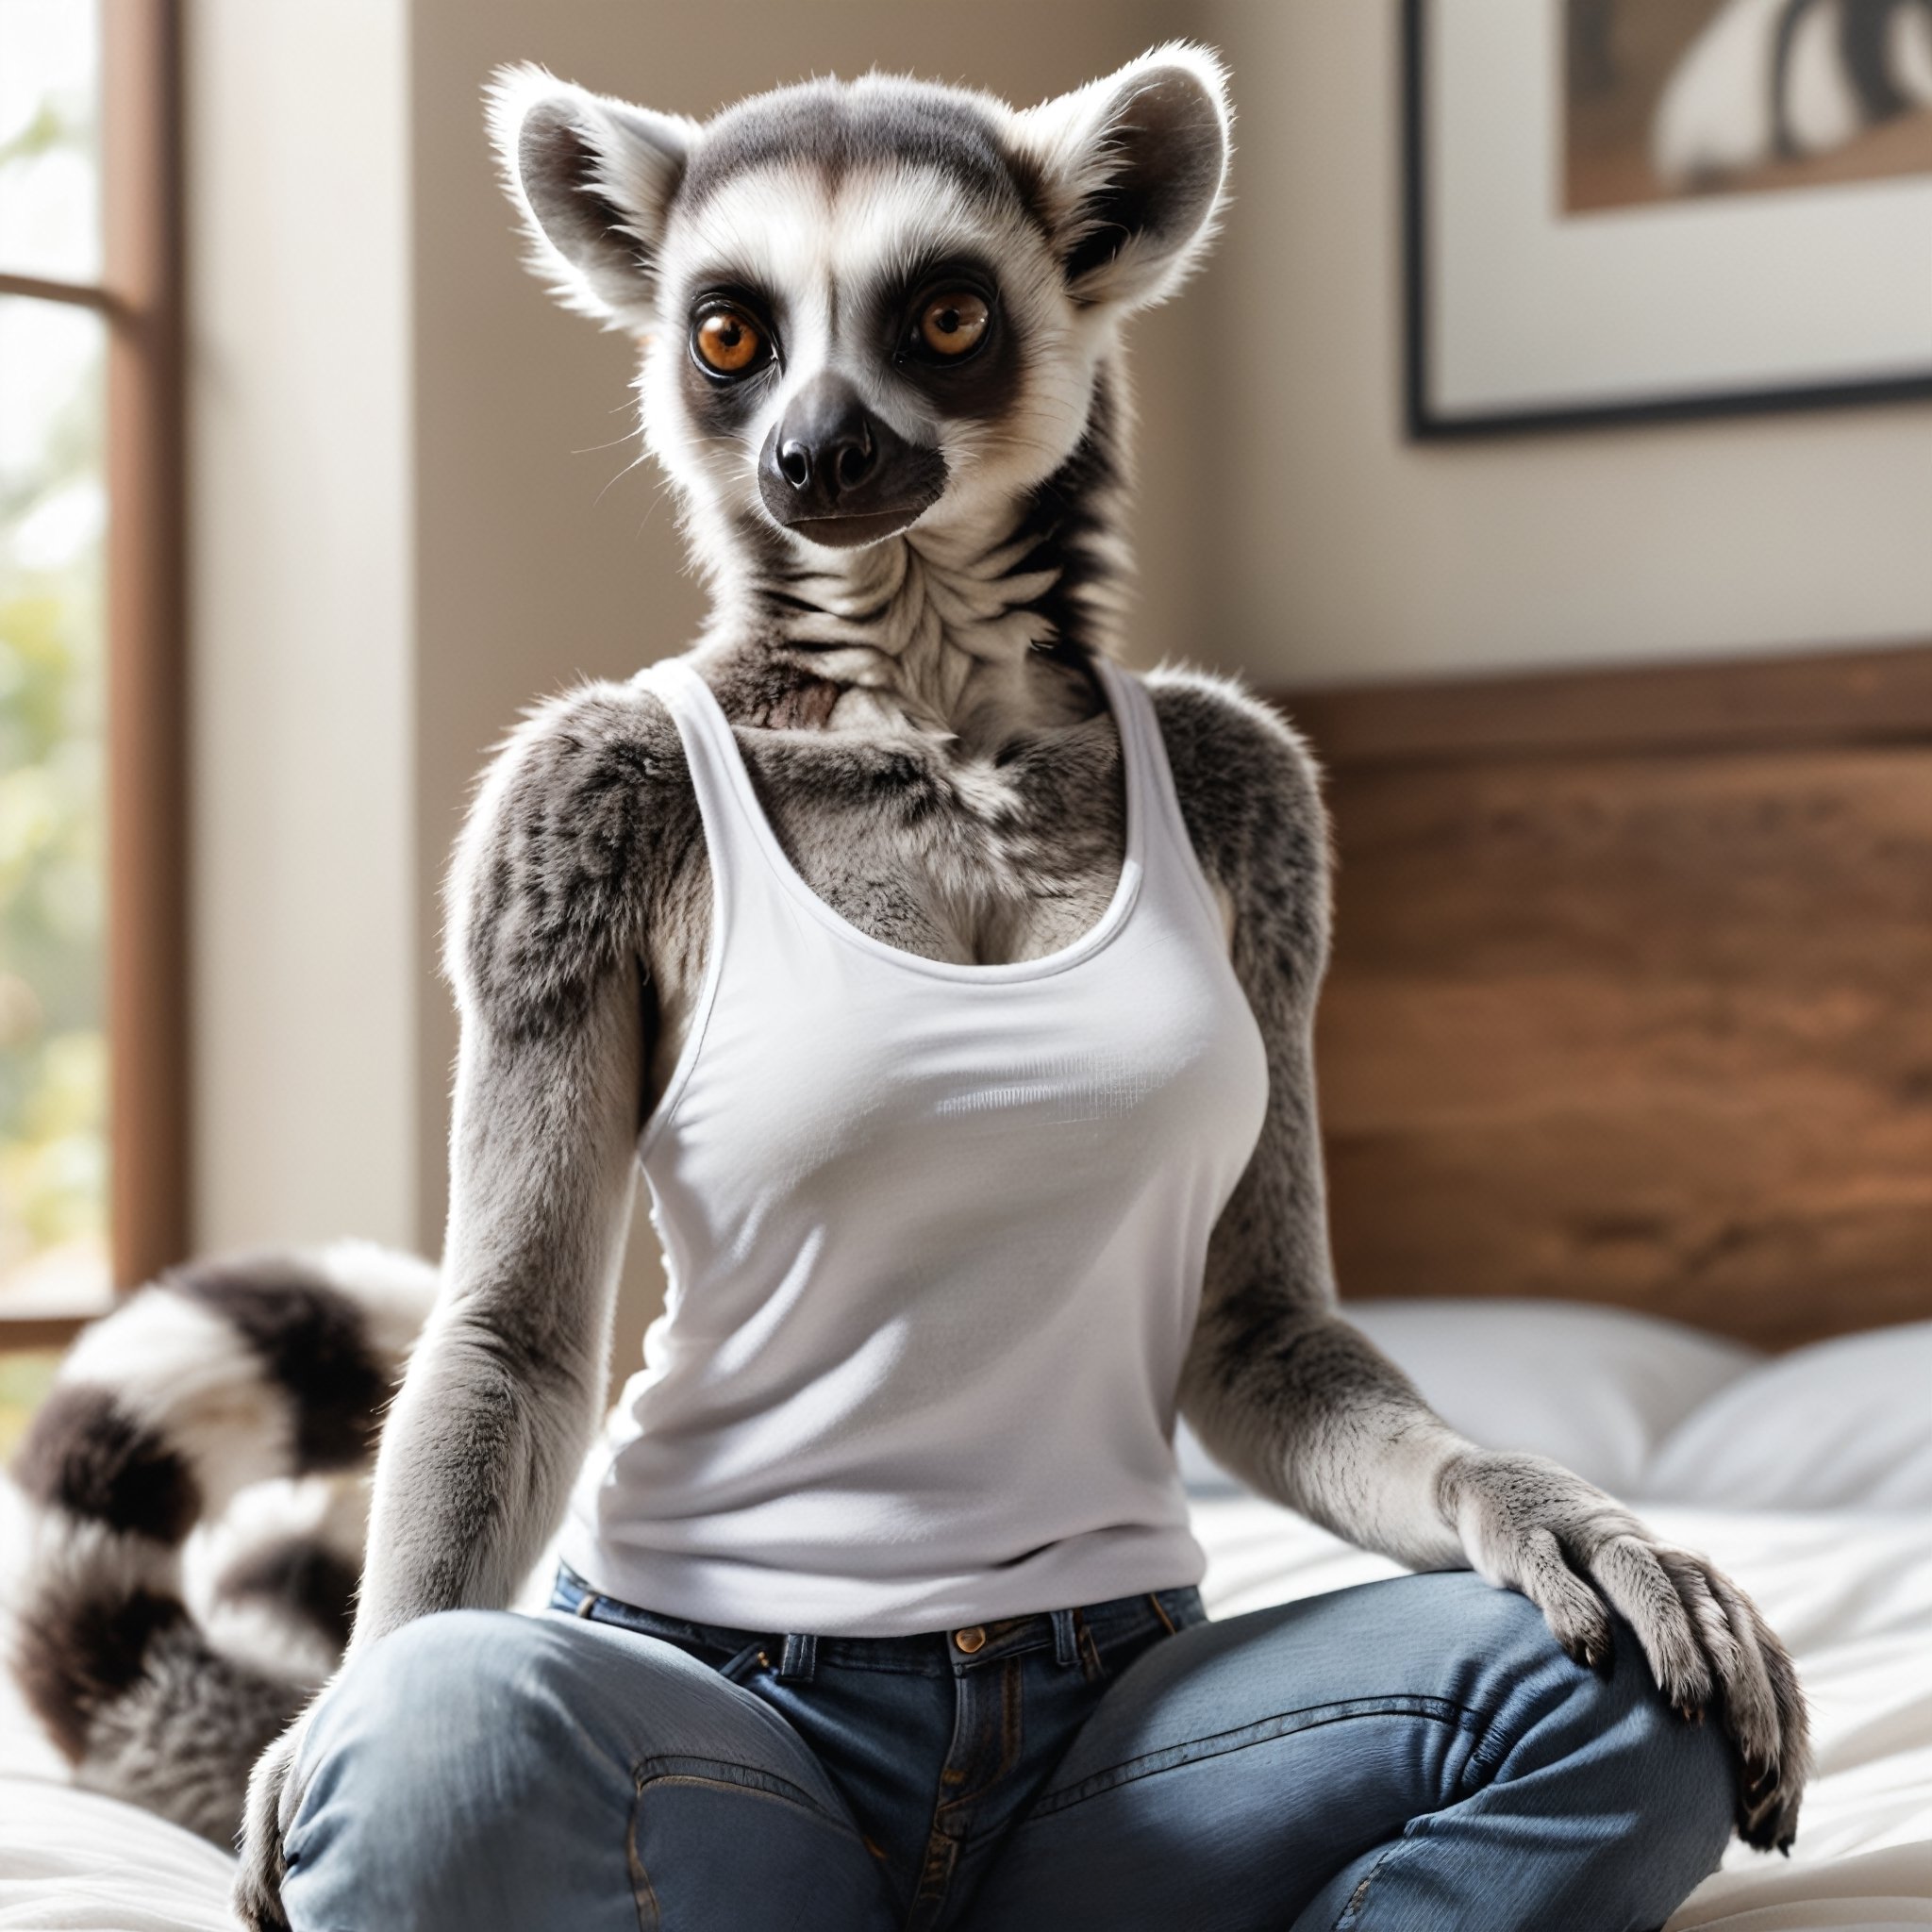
[[927, 630], [974, 633]]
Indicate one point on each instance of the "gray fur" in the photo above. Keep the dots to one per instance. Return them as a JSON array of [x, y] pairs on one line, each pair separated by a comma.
[[925, 732]]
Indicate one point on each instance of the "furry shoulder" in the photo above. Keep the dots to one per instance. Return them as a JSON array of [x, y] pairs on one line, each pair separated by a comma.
[[568, 842], [1250, 795]]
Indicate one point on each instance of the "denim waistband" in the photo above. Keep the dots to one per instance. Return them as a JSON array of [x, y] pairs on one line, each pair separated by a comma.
[[934, 1653]]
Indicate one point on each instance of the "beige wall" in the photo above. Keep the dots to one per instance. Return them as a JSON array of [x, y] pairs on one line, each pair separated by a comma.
[[1341, 552], [304, 861], [412, 512]]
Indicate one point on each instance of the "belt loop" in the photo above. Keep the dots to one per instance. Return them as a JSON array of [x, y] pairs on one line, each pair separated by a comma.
[[801, 1658], [1064, 1650], [1092, 1667]]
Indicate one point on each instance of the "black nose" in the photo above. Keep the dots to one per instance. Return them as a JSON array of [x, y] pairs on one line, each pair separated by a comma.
[[838, 474], [827, 444]]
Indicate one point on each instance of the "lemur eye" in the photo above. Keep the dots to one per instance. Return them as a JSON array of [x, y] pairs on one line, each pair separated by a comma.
[[727, 342], [952, 324]]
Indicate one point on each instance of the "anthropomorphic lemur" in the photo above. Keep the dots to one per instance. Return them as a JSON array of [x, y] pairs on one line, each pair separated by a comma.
[[881, 326]]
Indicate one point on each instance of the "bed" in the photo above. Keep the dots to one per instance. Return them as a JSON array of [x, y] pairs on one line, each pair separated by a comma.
[[1809, 1476], [1627, 1030]]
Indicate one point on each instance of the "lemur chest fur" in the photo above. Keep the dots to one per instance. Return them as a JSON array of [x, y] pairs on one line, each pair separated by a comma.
[[1001, 842]]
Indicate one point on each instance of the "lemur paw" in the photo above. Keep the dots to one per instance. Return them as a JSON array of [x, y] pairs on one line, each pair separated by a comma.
[[258, 1894], [1528, 1525]]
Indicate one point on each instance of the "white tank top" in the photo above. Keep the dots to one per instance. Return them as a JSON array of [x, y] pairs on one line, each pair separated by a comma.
[[934, 1235]]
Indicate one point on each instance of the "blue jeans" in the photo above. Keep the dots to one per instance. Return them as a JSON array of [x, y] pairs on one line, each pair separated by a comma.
[[1415, 1754]]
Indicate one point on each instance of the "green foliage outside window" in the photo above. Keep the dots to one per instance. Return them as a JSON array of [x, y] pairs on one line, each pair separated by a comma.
[[53, 1055]]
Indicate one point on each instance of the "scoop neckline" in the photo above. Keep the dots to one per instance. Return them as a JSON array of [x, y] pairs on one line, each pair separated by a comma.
[[1126, 888]]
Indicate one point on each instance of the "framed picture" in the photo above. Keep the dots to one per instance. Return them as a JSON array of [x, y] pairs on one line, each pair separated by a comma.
[[1621, 210]]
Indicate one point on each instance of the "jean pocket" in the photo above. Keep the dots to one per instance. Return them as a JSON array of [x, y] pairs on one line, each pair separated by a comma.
[[1183, 1609], [735, 1669], [1104, 1654]]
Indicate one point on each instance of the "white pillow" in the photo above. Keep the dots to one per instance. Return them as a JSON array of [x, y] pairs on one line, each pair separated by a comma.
[[1843, 1424], [1597, 1388]]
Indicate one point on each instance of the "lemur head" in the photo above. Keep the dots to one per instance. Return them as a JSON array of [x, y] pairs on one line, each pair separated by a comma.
[[876, 308]]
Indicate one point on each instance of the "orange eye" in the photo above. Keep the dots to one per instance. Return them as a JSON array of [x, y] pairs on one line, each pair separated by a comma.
[[953, 324], [727, 342]]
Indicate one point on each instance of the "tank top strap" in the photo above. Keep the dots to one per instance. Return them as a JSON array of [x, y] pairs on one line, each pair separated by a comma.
[[1174, 868], [718, 777]]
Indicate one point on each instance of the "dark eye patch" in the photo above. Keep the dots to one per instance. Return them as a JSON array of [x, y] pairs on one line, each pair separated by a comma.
[[720, 406], [978, 387]]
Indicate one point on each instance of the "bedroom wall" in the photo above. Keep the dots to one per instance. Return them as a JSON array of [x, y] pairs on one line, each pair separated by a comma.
[[1342, 551], [412, 513], [303, 862]]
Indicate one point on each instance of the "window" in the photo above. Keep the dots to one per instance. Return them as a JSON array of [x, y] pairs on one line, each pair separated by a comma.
[[91, 984]]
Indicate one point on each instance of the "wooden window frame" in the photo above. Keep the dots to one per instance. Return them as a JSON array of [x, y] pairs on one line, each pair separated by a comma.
[[140, 297]]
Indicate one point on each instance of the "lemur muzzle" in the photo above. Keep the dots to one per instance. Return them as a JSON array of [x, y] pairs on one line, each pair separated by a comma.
[[836, 474]]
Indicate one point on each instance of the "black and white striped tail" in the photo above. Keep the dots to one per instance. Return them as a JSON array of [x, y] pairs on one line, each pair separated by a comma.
[[173, 1614]]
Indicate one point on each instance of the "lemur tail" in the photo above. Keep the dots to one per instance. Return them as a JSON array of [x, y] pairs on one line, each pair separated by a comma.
[[221, 1376]]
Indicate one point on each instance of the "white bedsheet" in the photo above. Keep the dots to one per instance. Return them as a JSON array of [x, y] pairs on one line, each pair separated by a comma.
[[1853, 1595]]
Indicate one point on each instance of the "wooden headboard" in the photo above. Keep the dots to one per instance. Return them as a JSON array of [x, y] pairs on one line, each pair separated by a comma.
[[1632, 992]]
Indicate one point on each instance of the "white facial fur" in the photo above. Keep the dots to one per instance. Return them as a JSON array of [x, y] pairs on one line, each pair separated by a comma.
[[1103, 201], [815, 246]]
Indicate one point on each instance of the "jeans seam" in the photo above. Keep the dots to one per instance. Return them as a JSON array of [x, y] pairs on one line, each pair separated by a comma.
[[1012, 1718], [1357, 1901], [702, 1771], [719, 1771], [1262, 1731], [1012, 1722], [1093, 1665], [642, 1891]]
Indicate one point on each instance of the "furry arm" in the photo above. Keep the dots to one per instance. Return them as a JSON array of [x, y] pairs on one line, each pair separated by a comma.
[[1301, 1405], [501, 1394], [498, 1408], [1280, 1389], [505, 1389]]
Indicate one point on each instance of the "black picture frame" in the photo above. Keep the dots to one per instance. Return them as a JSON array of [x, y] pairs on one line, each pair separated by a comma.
[[1426, 423]]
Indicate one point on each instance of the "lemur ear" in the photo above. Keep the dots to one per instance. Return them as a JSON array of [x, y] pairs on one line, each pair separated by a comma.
[[1132, 170], [594, 179]]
